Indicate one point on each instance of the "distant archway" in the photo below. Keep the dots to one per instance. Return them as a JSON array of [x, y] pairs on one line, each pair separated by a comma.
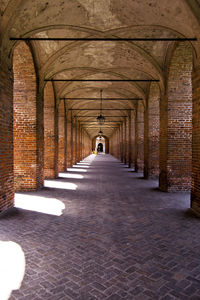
[[100, 147], [104, 141]]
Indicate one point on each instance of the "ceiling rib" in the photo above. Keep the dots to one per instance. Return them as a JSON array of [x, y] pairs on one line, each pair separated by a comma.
[[96, 116], [104, 39], [103, 80], [102, 109], [104, 99]]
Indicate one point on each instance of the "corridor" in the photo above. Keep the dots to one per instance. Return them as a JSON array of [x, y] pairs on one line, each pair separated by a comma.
[[116, 237]]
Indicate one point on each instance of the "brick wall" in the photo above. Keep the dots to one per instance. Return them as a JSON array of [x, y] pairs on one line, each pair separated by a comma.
[[25, 135], [152, 125], [6, 140], [195, 193], [50, 136], [61, 137], [176, 168]]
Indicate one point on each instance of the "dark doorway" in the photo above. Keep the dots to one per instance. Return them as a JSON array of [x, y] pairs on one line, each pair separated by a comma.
[[100, 147]]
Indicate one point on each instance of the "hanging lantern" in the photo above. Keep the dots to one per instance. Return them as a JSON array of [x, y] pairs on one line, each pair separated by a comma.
[[100, 133], [101, 119]]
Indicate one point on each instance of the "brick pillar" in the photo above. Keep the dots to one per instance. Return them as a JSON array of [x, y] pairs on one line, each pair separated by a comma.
[[6, 140], [61, 137], [79, 142], [121, 142], [50, 133], [176, 123], [152, 125], [28, 122], [68, 145], [195, 193], [133, 138], [118, 143], [130, 140], [136, 141], [72, 139], [140, 139], [66, 135], [125, 140]]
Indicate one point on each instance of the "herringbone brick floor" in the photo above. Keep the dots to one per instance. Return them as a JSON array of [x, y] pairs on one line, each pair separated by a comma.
[[118, 238]]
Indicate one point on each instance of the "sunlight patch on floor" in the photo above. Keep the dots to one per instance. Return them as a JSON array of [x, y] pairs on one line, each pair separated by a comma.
[[40, 204], [71, 176], [12, 268], [60, 185], [82, 166], [76, 170]]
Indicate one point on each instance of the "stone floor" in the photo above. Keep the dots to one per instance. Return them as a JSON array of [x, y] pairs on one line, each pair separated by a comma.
[[118, 237]]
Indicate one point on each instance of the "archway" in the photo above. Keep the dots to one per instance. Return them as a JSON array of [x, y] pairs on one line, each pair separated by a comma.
[[100, 148], [104, 140]]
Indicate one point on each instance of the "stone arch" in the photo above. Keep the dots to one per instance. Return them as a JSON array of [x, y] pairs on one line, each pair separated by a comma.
[[176, 122], [25, 120]]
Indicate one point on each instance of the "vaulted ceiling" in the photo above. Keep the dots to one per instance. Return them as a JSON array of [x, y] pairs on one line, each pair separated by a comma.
[[100, 59]]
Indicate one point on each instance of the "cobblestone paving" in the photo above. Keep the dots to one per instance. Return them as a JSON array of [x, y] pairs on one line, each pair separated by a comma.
[[119, 237]]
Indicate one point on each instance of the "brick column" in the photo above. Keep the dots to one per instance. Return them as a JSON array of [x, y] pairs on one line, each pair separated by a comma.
[[176, 123], [130, 140], [125, 140], [68, 143], [136, 142], [65, 135], [121, 142], [6, 140], [195, 193], [50, 138], [28, 122], [118, 137], [61, 137], [151, 130], [72, 139], [140, 137]]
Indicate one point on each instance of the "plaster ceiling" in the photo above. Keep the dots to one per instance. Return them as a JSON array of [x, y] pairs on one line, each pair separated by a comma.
[[100, 60]]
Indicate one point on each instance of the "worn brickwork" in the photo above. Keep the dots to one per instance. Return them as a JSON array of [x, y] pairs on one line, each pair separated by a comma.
[[136, 140], [25, 135], [61, 137], [195, 193], [87, 144], [152, 125], [133, 139], [121, 143], [6, 140], [125, 140], [50, 137], [176, 170], [68, 144], [140, 136], [114, 144], [74, 141]]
